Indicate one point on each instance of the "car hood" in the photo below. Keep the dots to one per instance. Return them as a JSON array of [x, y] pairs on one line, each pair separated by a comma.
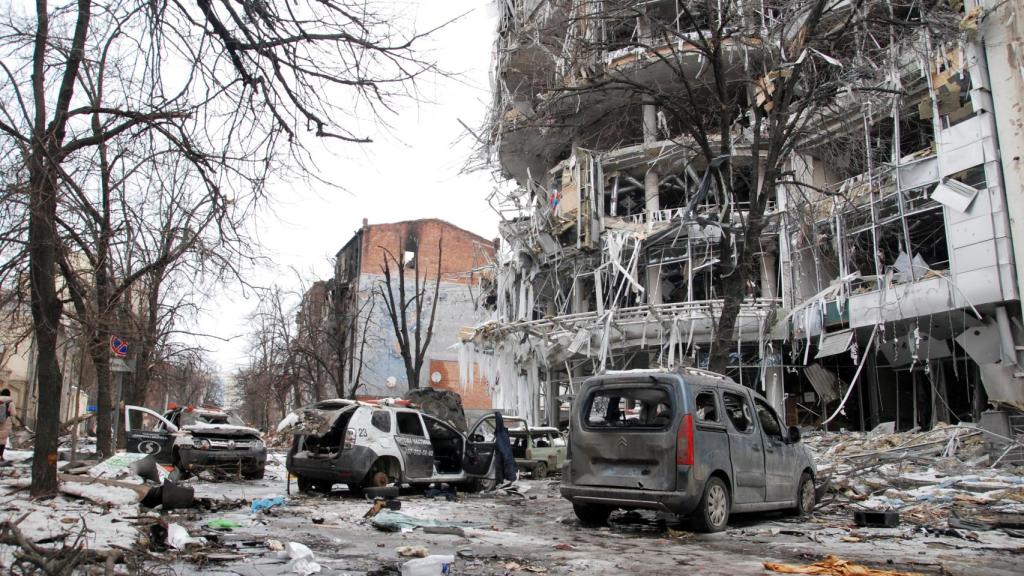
[[221, 429]]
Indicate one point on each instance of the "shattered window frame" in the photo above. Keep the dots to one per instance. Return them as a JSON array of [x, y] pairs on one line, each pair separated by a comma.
[[406, 417], [744, 405], [628, 403]]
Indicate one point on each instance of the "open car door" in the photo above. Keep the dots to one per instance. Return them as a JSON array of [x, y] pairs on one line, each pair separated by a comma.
[[480, 448], [155, 436]]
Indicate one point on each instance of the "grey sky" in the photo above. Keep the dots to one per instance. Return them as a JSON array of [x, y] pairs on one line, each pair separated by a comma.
[[410, 171]]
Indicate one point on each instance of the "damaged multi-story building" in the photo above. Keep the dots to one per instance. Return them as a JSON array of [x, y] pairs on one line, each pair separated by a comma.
[[452, 266], [843, 178]]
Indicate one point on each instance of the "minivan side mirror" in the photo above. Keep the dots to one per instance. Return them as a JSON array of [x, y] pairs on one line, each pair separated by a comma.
[[794, 434]]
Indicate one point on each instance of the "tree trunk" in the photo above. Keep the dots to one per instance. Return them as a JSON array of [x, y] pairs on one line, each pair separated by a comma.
[[46, 313], [101, 362]]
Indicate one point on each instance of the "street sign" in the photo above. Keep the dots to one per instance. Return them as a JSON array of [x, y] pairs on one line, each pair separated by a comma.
[[118, 346], [119, 365]]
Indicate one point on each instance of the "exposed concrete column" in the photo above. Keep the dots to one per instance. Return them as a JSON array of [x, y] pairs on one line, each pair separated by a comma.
[[652, 202], [774, 390], [769, 276], [552, 406]]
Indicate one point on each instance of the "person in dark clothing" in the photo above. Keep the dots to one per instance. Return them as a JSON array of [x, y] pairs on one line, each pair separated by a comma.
[[505, 469], [6, 419]]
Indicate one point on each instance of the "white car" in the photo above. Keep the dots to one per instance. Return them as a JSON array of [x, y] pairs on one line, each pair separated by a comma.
[[370, 445]]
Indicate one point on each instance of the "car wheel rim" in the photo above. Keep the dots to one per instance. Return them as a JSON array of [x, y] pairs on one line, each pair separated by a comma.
[[716, 505], [807, 496]]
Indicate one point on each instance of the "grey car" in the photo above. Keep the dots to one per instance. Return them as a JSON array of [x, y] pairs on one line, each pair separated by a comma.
[[689, 442]]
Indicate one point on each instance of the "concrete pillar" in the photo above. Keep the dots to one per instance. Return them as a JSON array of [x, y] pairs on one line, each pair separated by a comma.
[[774, 391], [652, 201], [650, 124], [552, 405], [769, 276]]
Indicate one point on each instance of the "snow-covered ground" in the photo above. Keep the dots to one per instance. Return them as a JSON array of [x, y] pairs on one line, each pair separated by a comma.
[[535, 532]]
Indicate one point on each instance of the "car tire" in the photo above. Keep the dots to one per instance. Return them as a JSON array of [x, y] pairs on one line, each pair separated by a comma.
[[254, 474], [806, 498], [592, 514], [540, 470], [712, 514]]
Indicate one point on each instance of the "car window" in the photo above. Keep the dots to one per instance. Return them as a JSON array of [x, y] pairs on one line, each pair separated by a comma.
[[629, 408], [381, 420], [737, 408], [707, 408], [409, 423], [542, 440], [769, 421], [558, 441], [484, 430]]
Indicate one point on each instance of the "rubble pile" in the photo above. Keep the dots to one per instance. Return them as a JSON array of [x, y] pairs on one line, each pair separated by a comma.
[[933, 478]]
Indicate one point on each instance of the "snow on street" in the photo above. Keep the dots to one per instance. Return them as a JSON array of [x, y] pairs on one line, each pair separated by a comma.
[[489, 534]]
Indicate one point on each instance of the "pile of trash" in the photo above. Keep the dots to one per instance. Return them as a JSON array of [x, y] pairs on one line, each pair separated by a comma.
[[935, 478]]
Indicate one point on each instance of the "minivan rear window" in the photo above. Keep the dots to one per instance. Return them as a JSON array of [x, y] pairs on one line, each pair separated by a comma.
[[628, 407]]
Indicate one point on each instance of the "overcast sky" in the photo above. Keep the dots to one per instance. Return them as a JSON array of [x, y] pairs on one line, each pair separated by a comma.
[[411, 171]]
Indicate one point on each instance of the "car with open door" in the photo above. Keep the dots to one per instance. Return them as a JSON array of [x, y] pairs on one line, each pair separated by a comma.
[[196, 438], [364, 445], [689, 442]]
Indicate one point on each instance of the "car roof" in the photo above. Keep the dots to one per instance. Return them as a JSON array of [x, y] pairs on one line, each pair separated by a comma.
[[692, 376]]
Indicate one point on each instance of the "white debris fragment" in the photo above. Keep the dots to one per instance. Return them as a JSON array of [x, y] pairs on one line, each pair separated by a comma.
[[178, 538], [302, 559]]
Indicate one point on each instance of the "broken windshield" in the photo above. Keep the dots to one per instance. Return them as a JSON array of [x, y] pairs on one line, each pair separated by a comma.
[[628, 407], [193, 418]]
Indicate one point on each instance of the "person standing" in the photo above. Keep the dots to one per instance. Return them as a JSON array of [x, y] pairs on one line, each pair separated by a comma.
[[6, 419]]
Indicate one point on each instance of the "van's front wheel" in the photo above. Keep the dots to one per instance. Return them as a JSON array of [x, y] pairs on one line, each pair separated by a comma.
[[712, 515], [592, 514], [805, 496]]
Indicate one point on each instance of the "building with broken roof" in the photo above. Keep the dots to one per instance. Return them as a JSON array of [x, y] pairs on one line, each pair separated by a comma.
[[842, 179], [372, 363]]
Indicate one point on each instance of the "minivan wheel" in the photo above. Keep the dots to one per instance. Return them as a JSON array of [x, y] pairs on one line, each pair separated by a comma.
[[592, 514], [805, 496], [712, 514]]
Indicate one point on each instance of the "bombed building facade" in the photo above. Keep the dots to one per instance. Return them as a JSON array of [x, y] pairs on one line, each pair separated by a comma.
[[820, 198], [449, 263]]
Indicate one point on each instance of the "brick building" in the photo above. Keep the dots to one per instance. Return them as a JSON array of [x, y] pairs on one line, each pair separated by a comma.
[[371, 356]]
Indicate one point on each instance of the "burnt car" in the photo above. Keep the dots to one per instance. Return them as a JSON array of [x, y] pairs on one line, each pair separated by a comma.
[[196, 438], [365, 445], [689, 442], [538, 450]]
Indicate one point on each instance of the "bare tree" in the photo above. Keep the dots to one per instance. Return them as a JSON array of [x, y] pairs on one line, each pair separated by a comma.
[[258, 77], [403, 307]]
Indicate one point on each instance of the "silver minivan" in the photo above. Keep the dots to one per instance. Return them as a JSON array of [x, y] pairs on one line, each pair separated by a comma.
[[689, 442]]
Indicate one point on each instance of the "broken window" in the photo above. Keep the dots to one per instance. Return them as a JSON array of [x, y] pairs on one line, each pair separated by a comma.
[[381, 420], [707, 410], [409, 423], [629, 408], [769, 421], [738, 410]]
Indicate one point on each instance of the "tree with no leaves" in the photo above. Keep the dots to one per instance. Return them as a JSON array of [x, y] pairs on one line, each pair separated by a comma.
[[232, 87], [404, 308]]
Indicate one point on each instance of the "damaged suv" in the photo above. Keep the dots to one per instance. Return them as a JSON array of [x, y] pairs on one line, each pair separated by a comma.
[[691, 443], [194, 439], [365, 445]]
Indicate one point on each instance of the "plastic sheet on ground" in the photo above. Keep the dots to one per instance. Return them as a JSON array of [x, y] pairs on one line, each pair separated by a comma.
[[391, 521], [832, 566]]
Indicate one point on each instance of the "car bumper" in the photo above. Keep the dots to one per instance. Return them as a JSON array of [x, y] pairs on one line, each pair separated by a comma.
[[246, 459], [349, 466], [675, 502]]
